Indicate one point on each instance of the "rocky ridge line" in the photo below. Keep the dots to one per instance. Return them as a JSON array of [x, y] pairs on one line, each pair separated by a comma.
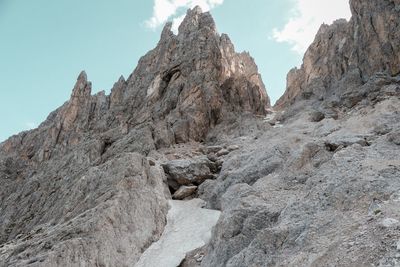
[[345, 56], [94, 165]]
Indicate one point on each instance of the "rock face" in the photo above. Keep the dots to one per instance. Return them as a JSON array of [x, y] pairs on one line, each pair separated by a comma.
[[102, 215], [346, 55], [310, 193], [80, 190], [191, 82], [320, 189], [313, 184]]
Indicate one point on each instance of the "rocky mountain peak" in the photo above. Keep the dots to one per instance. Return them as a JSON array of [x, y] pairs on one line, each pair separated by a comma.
[[345, 55], [195, 20], [82, 86], [172, 83]]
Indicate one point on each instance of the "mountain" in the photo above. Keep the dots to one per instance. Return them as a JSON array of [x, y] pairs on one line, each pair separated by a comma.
[[312, 181], [83, 188], [346, 55]]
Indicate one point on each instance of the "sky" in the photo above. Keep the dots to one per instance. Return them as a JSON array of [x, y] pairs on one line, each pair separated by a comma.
[[44, 44]]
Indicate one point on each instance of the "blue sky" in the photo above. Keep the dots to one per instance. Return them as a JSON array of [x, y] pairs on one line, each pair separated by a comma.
[[46, 43]]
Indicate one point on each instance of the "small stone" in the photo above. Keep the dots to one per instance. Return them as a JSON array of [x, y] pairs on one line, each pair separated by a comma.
[[151, 161], [200, 258], [219, 163], [212, 157], [394, 137], [184, 192], [233, 147], [389, 222], [214, 149], [316, 116], [222, 152]]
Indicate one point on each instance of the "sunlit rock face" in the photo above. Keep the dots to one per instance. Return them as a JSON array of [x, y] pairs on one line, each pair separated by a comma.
[[346, 55]]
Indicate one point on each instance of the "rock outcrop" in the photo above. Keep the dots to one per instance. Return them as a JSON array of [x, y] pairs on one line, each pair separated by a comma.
[[346, 55], [103, 215]]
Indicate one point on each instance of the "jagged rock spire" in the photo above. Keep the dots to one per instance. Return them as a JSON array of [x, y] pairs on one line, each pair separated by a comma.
[[82, 87], [196, 20], [347, 54]]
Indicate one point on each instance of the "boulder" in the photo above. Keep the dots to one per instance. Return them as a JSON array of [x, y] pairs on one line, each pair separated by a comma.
[[188, 171]]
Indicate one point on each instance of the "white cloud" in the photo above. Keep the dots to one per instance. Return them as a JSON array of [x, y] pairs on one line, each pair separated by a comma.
[[163, 10], [176, 22], [307, 17]]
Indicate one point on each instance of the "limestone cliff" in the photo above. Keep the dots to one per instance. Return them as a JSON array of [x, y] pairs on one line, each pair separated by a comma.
[[346, 55], [86, 171]]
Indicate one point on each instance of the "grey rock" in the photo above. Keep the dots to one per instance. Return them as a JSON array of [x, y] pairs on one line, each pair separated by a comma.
[[394, 137], [214, 149], [277, 216], [222, 152], [345, 55], [317, 116], [188, 171], [60, 222], [232, 148]]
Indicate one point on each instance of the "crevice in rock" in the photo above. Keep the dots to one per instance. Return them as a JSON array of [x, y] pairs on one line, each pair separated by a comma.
[[167, 77], [107, 143]]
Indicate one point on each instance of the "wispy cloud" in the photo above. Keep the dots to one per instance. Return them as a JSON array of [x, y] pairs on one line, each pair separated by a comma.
[[307, 17], [164, 10]]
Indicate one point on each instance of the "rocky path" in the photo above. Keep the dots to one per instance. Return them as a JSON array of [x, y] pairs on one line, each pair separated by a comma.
[[188, 228]]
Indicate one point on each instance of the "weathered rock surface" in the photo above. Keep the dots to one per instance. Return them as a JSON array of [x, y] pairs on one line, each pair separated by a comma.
[[321, 189], [289, 199], [346, 55], [314, 183], [104, 215], [78, 190]]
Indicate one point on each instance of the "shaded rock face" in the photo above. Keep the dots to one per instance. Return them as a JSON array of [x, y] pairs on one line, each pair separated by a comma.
[[54, 218], [85, 170], [346, 55]]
